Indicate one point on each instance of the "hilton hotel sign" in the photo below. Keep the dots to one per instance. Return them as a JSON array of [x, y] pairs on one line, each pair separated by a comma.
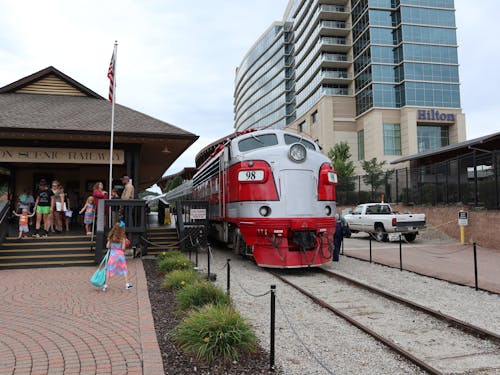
[[434, 115], [59, 155]]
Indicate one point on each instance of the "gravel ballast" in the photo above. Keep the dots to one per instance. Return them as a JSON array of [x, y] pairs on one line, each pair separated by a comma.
[[311, 340]]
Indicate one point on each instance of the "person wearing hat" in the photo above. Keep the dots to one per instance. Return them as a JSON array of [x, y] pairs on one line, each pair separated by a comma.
[[128, 190], [127, 193]]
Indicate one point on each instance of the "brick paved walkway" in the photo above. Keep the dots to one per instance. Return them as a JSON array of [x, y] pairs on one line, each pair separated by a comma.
[[53, 321]]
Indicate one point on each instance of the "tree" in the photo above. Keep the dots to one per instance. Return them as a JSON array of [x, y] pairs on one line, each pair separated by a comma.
[[375, 175], [340, 155], [173, 183]]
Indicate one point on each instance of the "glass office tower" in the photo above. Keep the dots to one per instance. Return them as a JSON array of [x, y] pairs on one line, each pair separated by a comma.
[[381, 75]]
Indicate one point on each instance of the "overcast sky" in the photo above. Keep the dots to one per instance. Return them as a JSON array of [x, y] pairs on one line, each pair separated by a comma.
[[176, 58]]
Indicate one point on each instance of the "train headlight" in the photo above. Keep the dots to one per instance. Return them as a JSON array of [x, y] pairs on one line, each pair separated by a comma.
[[297, 153], [265, 211], [328, 210]]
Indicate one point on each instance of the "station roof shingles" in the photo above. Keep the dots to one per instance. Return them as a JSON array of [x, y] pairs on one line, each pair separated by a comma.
[[51, 106], [80, 113]]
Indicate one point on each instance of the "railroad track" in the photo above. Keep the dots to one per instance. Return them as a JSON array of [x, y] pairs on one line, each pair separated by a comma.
[[435, 342]]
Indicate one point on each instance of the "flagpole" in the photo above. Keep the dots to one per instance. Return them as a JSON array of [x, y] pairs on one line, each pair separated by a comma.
[[112, 121]]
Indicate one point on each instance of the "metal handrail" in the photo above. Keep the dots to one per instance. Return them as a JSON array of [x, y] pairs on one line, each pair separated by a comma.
[[3, 222]]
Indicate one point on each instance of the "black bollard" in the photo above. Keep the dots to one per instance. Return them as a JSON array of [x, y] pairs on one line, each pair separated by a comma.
[[400, 254], [196, 255], [342, 247], [208, 261], [228, 275], [273, 323], [370, 248], [475, 265]]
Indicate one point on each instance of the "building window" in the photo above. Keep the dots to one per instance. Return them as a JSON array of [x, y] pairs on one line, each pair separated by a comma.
[[361, 145], [303, 127], [392, 139], [432, 137], [314, 117]]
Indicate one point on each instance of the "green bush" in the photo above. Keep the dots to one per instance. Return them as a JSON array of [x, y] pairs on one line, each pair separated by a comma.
[[199, 294], [178, 279], [215, 332], [168, 254], [174, 262]]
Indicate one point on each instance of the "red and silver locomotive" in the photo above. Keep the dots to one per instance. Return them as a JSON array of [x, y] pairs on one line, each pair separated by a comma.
[[271, 195]]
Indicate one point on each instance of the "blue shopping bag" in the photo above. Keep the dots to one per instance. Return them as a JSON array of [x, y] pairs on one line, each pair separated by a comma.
[[99, 277]]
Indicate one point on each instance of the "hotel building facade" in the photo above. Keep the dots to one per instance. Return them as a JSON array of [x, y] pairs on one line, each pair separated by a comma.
[[381, 75]]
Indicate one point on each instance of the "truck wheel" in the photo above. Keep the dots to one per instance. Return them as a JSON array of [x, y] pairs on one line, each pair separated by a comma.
[[410, 237], [379, 235]]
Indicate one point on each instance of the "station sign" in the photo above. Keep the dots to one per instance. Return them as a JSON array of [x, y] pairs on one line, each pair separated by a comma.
[[463, 218], [59, 155]]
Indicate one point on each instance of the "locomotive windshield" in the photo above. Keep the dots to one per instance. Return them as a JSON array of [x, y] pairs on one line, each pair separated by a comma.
[[289, 139], [257, 141]]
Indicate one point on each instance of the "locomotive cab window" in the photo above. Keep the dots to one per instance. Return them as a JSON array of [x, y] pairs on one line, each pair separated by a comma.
[[290, 139], [257, 141]]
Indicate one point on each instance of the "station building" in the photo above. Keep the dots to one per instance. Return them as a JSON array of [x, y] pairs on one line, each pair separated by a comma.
[[53, 127], [381, 75]]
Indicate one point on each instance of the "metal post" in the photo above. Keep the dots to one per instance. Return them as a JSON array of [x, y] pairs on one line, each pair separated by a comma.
[[359, 189], [495, 169], [196, 255], [475, 265], [397, 188], [342, 248], [407, 189], [458, 181], [474, 161], [400, 254], [273, 323], [208, 261], [370, 248], [228, 276]]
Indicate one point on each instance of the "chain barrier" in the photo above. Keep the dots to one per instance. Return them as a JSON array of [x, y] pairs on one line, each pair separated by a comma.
[[247, 292], [163, 245], [300, 340]]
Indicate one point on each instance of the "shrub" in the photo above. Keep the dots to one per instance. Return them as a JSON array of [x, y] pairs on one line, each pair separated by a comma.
[[168, 254], [199, 294], [215, 332], [174, 262], [178, 279]]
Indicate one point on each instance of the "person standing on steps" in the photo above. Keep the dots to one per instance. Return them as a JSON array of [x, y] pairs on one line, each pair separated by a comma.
[[23, 222], [43, 208], [127, 193]]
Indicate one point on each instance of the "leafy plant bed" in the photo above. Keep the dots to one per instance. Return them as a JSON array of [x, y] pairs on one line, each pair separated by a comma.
[[167, 318]]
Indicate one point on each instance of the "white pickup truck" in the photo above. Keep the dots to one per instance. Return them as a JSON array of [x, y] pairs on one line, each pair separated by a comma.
[[379, 220]]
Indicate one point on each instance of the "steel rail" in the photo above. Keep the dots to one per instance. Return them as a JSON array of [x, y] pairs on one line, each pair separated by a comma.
[[463, 326], [398, 349]]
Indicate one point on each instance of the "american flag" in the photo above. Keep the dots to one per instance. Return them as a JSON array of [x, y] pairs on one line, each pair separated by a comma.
[[111, 76]]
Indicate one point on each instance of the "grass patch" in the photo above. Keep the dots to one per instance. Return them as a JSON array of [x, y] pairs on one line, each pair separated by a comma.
[[178, 279], [215, 332], [201, 293], [174, 262]]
